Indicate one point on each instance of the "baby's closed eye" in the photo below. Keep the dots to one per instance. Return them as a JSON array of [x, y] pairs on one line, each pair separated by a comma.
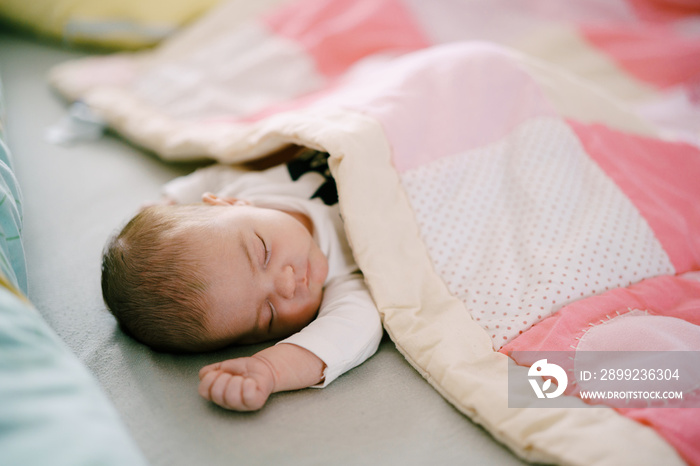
[[272, 315], [265, 255]]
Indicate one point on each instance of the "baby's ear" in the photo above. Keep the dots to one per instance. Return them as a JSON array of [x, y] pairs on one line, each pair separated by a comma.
[[212, 199]]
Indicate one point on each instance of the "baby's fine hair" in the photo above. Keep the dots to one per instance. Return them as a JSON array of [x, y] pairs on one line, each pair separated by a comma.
[[151, 281]]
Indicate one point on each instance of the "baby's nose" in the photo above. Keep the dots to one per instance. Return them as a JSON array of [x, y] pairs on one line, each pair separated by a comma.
[[285, 282]]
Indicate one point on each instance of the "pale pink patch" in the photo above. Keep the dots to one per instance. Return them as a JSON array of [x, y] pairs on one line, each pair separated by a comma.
[[661, 180], [338, 33], [451, 99]]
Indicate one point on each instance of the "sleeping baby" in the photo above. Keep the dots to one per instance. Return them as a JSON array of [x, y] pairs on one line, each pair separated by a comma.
[[236, 257]]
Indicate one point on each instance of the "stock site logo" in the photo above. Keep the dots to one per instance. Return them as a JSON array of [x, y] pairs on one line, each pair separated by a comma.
[[541, 369]]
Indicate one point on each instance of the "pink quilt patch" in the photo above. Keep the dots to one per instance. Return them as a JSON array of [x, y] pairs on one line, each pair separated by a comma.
[[667, 309], [654, 55], [337, 33], [661, 180], [662, 11]]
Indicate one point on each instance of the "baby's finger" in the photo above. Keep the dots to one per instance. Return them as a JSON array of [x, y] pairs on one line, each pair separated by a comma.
[[252, 397], [226, 391], [207, 369], [205, 385], [234, 366]]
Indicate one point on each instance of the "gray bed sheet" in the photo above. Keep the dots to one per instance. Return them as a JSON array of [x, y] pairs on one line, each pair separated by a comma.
[[74, 197]]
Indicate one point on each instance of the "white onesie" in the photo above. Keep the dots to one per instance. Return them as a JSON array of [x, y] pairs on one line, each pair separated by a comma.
[[347, 330]]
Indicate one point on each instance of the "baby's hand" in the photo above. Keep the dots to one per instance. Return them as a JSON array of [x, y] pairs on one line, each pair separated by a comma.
[[241, 384]]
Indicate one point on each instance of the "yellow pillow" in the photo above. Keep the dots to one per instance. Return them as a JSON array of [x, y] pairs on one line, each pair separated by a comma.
[[123, 24]]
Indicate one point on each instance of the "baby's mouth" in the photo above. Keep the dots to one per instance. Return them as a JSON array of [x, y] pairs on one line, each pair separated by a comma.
[[308, 272], [302, 281]]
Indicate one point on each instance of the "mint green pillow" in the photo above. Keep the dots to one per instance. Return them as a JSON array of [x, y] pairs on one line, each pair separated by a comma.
[[12, 264], [52, 411]]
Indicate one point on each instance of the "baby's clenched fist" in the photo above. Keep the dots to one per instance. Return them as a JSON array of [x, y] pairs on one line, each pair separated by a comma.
[[241, 384]]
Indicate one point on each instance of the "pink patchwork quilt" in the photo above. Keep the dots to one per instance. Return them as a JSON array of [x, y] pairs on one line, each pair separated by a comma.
[[514, 177]]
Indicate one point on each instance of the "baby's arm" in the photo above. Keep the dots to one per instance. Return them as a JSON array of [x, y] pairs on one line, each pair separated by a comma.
[[244, 384]]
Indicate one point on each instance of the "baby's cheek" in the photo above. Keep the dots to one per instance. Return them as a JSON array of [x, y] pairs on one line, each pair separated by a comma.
[[320, 269], [308, 312]]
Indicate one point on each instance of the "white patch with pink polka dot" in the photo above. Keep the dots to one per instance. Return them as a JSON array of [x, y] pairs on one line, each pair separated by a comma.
[[521, 227]]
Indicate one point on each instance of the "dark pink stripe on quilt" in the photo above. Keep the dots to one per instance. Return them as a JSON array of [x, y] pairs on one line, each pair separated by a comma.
[[661, 178], [672, 297], [338, 33], [654, 54]]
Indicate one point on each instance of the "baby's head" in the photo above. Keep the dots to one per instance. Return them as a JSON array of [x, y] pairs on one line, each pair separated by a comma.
[[202, 276]]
